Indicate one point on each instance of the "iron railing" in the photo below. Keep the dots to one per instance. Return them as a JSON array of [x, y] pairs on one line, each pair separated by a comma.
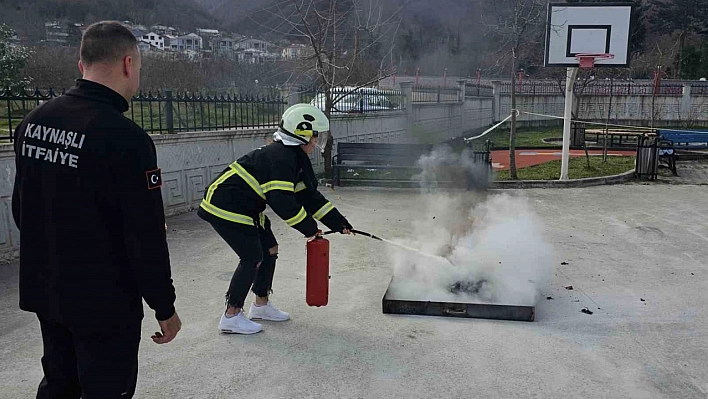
[[475, 90], [542, 88], [435, 94], [699, 89], [624, 88], [162, 112], [594, 88], [357, 100]]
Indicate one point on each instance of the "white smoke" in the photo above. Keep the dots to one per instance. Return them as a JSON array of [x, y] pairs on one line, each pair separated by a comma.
[[492, 250], [443, 167]]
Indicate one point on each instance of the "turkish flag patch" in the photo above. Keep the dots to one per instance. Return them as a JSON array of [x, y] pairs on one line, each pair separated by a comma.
[[154, 179]]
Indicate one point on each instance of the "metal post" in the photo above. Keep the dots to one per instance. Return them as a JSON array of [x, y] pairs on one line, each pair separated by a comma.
[[496, 104], [407, 89], [168, 111], [572, 72], [462, 84]]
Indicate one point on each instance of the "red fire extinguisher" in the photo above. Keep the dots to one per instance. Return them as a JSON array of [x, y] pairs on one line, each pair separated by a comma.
[[317, 287]]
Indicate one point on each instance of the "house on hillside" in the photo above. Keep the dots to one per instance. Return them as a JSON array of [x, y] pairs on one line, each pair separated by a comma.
[[224, 46], [56, 33], [146, 47], [253, 56], [154, 39], [138, 33], [296, 51], [63, 34], [253, 44], [164, 30], [191, 41], [170, 40]]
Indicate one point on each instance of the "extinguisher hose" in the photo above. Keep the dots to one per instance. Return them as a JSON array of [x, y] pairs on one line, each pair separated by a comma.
[[363, 233], [359, 232]]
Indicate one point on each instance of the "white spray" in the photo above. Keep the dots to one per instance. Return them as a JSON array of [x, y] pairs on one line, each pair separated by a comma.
[[494, 244]]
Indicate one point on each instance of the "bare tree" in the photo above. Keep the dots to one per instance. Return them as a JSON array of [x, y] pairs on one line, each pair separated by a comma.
[[514, 24], [349, 42]]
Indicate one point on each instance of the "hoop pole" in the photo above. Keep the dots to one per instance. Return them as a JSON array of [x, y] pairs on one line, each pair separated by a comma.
[[571, 73]]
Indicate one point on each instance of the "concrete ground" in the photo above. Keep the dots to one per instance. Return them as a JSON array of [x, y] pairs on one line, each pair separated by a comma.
[[622, 244]]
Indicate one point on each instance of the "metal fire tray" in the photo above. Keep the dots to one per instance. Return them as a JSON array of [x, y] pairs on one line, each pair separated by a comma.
[[476, 310]]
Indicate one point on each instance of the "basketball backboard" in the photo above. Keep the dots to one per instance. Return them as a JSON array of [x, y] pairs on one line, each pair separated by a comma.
[[582, 28]]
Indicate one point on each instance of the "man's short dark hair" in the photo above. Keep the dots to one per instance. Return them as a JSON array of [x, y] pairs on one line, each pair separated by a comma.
[[106, 42]]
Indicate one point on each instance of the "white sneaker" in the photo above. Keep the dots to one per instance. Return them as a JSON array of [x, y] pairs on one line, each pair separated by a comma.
[[267, 312], [238, 324]]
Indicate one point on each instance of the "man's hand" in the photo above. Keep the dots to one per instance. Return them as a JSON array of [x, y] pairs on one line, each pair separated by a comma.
[[170, 328]]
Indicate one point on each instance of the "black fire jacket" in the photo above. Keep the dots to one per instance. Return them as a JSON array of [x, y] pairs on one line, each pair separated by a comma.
[[276, 175], [88, 205]]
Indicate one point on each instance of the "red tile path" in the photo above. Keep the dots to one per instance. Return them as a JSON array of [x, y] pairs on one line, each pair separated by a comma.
[[500, 158]]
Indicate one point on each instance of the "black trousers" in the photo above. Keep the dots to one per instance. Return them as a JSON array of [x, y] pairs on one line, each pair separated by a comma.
[[256, 266], [96, 362]]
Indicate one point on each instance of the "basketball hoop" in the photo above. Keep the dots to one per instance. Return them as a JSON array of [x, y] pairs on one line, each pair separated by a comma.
[[587, 60]]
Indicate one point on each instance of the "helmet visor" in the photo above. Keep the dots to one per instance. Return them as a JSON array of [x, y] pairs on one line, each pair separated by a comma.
[[322, 138]]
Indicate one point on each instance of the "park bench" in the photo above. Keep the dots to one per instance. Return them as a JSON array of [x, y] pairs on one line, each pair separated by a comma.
[[394, 165], [684, 139], [671, 140]]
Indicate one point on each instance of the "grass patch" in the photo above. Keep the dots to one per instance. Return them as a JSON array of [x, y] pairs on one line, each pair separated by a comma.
[[525, 137], [577, 168]]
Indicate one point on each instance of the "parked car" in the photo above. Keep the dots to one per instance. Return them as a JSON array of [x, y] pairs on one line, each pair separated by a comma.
[[350, 100]]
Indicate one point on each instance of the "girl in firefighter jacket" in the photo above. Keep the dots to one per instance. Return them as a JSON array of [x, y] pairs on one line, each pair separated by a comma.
[[280, 175]]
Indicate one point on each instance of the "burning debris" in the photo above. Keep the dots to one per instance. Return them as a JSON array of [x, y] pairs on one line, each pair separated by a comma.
[[468, 287]]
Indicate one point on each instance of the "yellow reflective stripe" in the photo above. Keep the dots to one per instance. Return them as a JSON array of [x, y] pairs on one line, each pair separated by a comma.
[[262, 219], [226, 215], [304, 133], [248, 178], [277, 185], [299, 187], [218, 181], [297, 218], [323, 211]]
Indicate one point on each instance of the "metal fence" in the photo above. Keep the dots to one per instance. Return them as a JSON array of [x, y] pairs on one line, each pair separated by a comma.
[[594, 88], [475, 90], [533, 88], [624, 88], [162, 112], [435, 94], [357, 100], [699, 89]]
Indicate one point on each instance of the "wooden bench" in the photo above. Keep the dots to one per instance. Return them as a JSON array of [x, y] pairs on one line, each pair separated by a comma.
[[392, 165]]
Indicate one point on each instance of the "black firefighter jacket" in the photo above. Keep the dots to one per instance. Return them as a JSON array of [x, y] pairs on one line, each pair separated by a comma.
[[88, 205], [277, 175]]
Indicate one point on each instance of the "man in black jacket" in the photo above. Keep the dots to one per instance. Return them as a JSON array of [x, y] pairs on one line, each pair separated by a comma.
[[279, 175], [93, 243]]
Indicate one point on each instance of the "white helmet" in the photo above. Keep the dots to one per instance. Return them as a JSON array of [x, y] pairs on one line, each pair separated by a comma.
[[302, 121]]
